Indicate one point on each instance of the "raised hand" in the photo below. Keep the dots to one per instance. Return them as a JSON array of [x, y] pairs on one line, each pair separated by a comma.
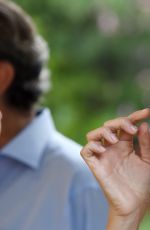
[[122, 172]]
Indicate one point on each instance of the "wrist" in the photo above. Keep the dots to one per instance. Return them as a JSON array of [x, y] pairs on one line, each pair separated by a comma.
[[128, 222]]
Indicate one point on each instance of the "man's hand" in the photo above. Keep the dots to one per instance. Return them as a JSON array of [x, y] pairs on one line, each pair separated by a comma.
[[123, 174]]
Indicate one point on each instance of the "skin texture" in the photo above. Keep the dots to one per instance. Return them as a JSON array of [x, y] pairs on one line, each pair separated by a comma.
[[10, 128], [121, 170]]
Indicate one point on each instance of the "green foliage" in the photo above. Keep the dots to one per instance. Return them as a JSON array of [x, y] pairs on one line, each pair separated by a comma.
[[99, 50]]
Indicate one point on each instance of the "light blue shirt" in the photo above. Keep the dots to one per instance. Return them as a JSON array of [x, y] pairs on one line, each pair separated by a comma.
[[44, 183]]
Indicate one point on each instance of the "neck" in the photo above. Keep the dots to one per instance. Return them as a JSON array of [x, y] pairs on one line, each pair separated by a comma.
[[13, 122]]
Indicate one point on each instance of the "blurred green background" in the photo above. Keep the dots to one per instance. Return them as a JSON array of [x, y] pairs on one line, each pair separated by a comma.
[[100, 60]]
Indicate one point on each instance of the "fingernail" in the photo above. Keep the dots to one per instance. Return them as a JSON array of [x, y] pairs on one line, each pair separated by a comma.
[[102, 149], [133, 128], [114, 138]]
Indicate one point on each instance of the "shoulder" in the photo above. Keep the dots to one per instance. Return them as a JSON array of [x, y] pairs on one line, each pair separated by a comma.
[[84, 191], [68, 149], [71, 173], [66, 157]]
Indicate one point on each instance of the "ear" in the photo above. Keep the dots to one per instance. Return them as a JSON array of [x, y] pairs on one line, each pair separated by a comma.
[[7, 73]]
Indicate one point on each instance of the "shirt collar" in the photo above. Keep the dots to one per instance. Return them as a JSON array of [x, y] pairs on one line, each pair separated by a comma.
[[29, 145]]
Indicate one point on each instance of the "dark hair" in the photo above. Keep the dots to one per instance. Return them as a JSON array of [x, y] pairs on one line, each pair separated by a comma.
[[27, 52]]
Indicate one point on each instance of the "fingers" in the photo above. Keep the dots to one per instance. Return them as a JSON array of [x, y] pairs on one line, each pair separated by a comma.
[[139, 115], [103, 132], [91, 148], [125, 124], [91, 153], [107, 131], [144, 142]]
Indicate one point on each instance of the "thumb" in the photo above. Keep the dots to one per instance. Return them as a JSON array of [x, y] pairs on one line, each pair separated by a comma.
[[144, 142]]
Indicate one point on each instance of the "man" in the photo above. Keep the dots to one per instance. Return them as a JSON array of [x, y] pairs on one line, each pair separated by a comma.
[[44, 184]]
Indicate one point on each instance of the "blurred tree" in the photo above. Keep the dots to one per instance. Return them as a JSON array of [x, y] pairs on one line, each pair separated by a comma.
[[100, 60], [98, 51]]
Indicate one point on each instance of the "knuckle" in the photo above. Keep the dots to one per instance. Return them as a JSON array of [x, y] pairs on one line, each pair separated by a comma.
[[88, 136], [105, 130], [107, 123], [147, 111], [90, 144], [82, 151], [124, 121]]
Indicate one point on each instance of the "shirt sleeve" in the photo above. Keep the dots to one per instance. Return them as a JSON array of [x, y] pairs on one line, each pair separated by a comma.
[[89, 207]]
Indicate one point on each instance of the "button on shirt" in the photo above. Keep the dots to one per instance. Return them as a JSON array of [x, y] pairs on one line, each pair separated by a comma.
[[44, 183]]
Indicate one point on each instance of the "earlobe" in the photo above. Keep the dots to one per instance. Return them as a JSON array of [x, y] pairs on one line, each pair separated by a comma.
[[7, 72]]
